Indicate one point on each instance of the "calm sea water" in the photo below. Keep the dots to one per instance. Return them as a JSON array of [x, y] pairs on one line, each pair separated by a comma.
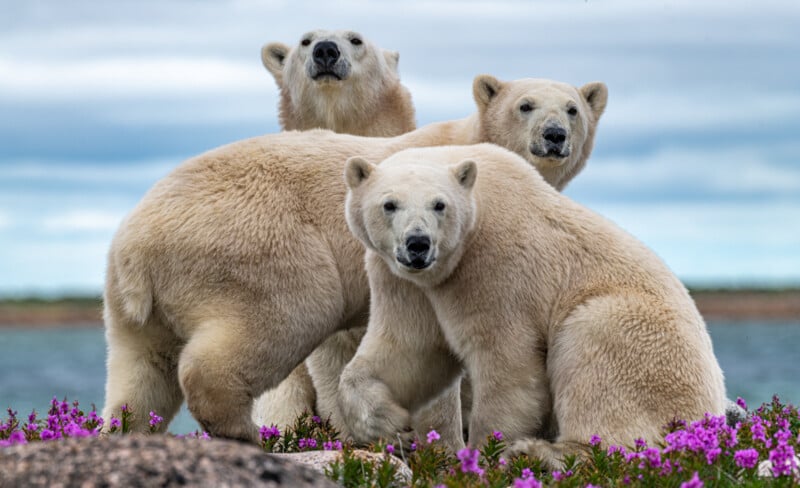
[[759, 360]]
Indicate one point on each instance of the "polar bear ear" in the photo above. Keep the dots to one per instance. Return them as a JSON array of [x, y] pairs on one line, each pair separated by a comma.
[[273, 56], [596, 95], [465, 173], [357, 169], [484, 89], [392, 59]]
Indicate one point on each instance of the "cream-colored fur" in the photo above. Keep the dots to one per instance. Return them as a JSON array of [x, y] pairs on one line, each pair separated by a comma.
[[500, 119], [234, 267], [370, 101], [553, 310], [360, 93]]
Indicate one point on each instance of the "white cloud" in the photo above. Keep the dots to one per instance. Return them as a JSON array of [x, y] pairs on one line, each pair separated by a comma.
[[145, 172], [128, 77], [82, 221], [728, 169]]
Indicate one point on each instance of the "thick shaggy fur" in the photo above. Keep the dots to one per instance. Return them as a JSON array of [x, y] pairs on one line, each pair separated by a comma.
[[234, 267], [362, 95], [369, 101], [563, 321]]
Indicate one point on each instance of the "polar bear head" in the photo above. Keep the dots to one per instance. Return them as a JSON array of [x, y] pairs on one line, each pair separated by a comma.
[[335, 80], [414, 210], [551, 124]]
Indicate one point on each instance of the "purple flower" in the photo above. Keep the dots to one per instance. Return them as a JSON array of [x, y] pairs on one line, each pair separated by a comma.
[[73, 429], [502, 461], [527, 483], [746, 458], [115, 423], [695, 482], [16, 437], [469, 461], [155, 419], [124, 407], [713, 454], [413, 447], [316, 419], [433, 436], [595, 440], [205, 436], [48, 435], [269, 432], [783, 460], [653, 457], [559, 476], [497, 435], [335, 446], [740, 401], [526, 473], [307, 443], [389, 448], [640, 443]]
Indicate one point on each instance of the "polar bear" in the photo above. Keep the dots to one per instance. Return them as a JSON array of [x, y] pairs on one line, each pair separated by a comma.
[[339, 80], [557, 123], [236, 265], [552, 309]]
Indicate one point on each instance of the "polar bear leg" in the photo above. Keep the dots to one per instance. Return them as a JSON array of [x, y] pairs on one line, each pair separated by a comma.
[[283, 404], [510, 387], [142, 373], [403, 363], [325, 366], [621, 367]]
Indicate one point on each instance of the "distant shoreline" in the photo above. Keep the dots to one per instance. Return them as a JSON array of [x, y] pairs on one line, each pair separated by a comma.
[[714, 305]]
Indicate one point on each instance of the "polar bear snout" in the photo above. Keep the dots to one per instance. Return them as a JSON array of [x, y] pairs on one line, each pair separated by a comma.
[[553, 143], [327, 62], [416, 252], [326, 53]]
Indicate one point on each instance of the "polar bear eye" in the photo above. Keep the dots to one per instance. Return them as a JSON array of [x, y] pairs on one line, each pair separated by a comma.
[[572, 111], [305, 42], [439, 206], [356, 41], [526, 107], [389, 207]]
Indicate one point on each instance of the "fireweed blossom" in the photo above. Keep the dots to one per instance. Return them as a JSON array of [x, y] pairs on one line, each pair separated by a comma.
[[155, 419], [433, 436], [469, 461], [267, 433], [695, 482], [746, 458], [334, 445], [307, 443]]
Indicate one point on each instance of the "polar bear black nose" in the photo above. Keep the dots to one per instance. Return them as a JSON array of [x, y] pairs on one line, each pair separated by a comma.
[[556, 135], [326, 53], [418, 245]]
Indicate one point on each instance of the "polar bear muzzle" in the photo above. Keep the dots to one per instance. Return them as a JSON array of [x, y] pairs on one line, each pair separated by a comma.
[[552, 144], [416, 253], [327, 63]]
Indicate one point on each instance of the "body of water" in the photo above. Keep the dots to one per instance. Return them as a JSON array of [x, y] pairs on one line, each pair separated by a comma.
[[759, 360]]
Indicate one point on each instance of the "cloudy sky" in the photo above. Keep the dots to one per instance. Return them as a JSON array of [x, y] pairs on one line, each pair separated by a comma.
[[697, 153]]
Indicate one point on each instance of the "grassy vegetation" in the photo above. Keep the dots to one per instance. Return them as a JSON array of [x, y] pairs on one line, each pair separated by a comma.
[[760, 451]]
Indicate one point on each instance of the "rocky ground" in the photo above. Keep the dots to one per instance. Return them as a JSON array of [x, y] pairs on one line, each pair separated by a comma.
[[144, 461]]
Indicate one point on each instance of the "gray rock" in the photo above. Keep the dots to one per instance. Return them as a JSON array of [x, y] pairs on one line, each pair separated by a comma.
[[145, 461]]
